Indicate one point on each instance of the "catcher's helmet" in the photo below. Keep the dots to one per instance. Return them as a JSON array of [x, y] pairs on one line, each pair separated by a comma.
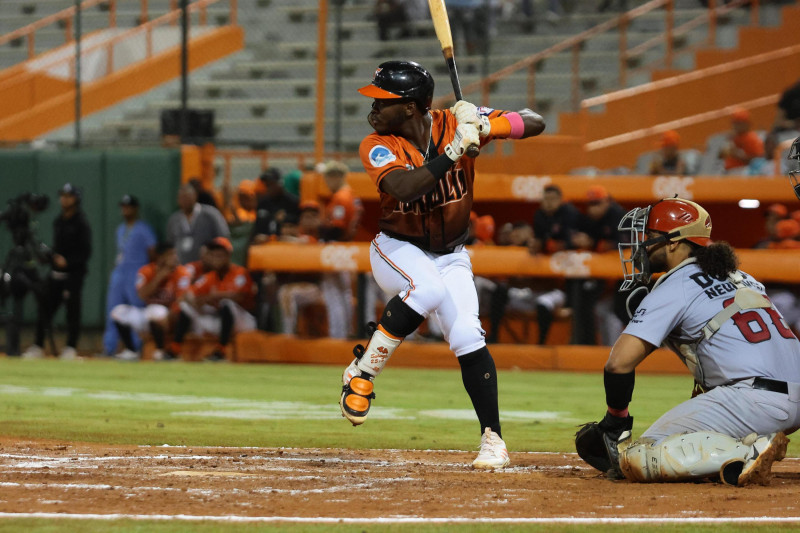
[[673, 219], [401, 79], [794, 166]]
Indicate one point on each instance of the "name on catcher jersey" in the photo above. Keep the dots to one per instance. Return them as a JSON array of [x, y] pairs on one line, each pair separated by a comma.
[[439, 219], [754, 343]]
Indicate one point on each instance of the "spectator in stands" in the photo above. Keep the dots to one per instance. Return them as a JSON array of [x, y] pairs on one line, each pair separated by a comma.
[[390, 14], [71, 250], [481, 230], [554, 223], [291, 182], [273, 208], [668, 160], [159, 285], [242, 208], [203, 196], [135, 241], [334, 290], [193, 224], [596, 232], [472, 21], [744, 151], [785, 129], [787, 232], [343, 209], [521, 294], [772, 215], [218, 303]]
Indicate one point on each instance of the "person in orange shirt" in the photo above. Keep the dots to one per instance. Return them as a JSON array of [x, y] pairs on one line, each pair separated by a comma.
[[786, 233], [219, 302], [243, 208], [744, 145], [343, 210], [668, 160], [159, 284]]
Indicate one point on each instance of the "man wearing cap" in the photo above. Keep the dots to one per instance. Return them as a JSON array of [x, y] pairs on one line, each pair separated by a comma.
[[193, 224], [668, 160], [135, 241], [219, 302], [275, 206], [596, 231], [744, 146], [773, 214], [72, 247]]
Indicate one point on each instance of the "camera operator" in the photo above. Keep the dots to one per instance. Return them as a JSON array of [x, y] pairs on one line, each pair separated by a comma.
[[72, 247], [20, 272]]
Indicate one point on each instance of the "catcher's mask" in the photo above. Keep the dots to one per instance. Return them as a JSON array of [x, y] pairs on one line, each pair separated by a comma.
[[672, 219], [794, 166]]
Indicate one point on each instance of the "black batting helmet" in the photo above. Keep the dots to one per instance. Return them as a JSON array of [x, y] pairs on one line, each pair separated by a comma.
[[401, 79]]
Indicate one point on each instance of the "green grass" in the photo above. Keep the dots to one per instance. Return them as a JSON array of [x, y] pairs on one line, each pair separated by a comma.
[[172, 403], [175, 403]]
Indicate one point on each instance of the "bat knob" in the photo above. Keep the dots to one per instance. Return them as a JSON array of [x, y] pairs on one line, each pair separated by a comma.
[[473, 150]]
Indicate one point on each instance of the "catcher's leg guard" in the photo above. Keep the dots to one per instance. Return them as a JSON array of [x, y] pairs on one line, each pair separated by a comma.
[[680, 457], [757, 467]]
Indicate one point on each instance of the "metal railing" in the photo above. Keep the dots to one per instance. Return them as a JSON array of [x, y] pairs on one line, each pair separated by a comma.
[[147, 28], [621, 23]]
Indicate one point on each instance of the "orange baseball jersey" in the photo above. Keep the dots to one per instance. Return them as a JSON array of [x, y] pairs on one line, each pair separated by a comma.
[[236, 279], [439, 220], [752, 145], [171, 288], [344, 211], [196, 269]]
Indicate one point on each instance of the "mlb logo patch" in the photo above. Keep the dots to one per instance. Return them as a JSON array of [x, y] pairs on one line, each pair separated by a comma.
[[482, 110], [380, 156]]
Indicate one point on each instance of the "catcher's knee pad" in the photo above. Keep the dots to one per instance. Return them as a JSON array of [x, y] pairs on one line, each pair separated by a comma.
[[680, 457], [356, 398]]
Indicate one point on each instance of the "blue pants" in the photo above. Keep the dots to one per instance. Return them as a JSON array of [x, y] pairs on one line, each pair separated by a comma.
[[121, 290]]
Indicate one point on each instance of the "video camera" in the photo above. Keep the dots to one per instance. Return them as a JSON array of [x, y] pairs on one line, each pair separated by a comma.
[[26, 252]]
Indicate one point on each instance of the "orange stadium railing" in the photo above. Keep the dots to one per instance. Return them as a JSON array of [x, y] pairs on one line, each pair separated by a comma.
[[576, 43], [493, 261], [522, 188]]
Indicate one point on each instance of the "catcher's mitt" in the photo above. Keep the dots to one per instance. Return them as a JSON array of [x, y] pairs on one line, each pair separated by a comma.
[[596, 443]]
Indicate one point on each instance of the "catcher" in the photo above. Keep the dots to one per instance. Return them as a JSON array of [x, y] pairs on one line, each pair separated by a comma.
[[719, 321]]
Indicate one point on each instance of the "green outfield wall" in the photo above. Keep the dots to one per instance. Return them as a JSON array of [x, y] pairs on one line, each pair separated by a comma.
[[153, 175]]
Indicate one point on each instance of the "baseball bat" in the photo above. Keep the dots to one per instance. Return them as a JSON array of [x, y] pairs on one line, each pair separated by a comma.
[[441, 25]]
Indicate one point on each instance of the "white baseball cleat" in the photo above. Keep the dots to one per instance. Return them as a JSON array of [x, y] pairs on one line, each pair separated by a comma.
[[493, 453], [68, 354], [127, 355], [34, 351], [758, 464]]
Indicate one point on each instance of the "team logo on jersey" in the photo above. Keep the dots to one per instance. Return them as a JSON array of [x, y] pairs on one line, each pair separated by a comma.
[[380, 156], [483, 110]]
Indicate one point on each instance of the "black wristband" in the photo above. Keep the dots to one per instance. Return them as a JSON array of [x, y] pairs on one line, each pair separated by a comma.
[[439, 166], [619, 389]]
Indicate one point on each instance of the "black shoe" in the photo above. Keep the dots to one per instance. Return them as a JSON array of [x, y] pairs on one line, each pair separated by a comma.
[[215, 356]]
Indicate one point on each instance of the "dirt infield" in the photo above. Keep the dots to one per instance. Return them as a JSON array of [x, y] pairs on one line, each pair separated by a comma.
[[39, 478]]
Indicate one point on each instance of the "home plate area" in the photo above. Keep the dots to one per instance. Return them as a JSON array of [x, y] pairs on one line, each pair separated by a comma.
[[79, 480]]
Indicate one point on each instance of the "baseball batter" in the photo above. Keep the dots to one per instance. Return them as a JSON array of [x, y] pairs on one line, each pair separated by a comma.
[[722, 325], [415, 157]]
